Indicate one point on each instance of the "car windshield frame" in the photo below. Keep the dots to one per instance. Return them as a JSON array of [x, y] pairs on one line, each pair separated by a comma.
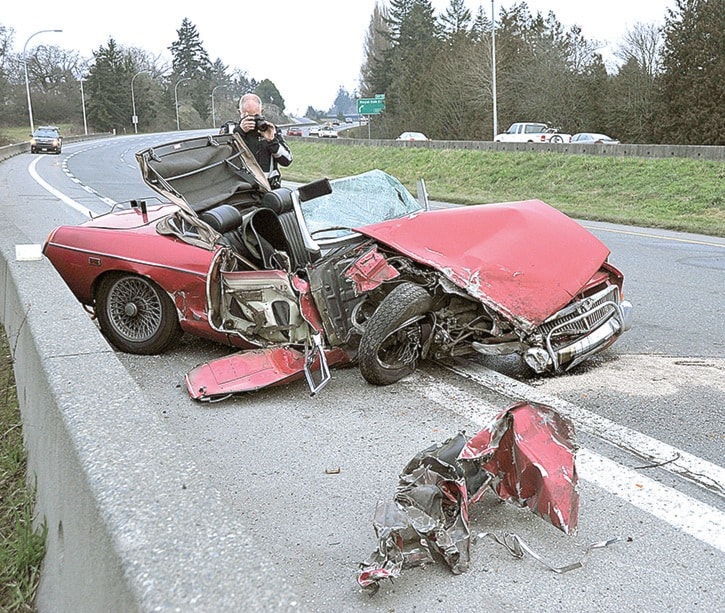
[[357, 201], [46, 133]]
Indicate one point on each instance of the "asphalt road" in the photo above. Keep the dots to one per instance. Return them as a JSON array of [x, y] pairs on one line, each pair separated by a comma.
[[304, 474]]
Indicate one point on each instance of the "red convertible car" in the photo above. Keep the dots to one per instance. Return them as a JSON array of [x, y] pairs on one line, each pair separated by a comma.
[[354, 270]]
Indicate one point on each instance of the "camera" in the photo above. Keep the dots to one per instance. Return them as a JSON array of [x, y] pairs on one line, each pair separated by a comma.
[[260, 123]]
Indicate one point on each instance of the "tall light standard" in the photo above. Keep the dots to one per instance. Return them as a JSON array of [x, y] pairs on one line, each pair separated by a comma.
[[213, 114], [27, 83], [176, 100], [493, 72], [134, 119], [83, 104]]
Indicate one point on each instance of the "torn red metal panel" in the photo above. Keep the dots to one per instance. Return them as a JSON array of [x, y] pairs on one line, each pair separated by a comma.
[[536, 469], [511, 256], [525, 455], [369, 271], [249, 371]]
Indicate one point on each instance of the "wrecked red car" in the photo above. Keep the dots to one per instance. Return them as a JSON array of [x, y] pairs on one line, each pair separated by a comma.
[[333, 272]]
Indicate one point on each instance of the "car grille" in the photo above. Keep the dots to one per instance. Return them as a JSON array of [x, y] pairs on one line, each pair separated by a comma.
[[584, 316]]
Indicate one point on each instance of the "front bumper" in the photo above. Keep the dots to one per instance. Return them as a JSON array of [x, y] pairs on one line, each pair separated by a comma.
[[598, 327]]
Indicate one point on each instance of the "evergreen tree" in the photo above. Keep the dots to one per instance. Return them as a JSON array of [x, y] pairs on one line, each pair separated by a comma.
[[345, 103], [456, 20], [108, 99], [190, 60], [271, 99], [693, 78], [414, 46], [374, 73]]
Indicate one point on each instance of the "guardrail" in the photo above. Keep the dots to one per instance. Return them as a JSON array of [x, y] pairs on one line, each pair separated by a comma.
[[700, 152]]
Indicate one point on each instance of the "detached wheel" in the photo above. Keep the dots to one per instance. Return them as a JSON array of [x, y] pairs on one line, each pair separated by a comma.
[[136, 315], [391, 345]]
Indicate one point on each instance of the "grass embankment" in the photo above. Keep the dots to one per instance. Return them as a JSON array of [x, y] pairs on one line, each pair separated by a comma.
[[678, 194], [13, 136], [21, 547]]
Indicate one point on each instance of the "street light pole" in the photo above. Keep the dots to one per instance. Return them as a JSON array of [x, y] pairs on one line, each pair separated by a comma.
[[176, 100], [493, 71], [83, 104], [134, 119], [27, 82], [213, 115]]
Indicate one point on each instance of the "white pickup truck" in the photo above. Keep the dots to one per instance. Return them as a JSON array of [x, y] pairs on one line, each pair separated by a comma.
[[525, 132]]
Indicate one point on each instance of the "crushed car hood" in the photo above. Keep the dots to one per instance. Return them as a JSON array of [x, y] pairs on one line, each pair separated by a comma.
[[511, 256]]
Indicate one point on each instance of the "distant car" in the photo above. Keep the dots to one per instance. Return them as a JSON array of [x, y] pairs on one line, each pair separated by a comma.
[[530, 132], [46, 138], [294, 131], [412, 136], [327, 132], [593, 138], [314, 131]]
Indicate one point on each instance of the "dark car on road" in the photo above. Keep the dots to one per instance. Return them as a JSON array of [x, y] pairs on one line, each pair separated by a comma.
[[46, 138]]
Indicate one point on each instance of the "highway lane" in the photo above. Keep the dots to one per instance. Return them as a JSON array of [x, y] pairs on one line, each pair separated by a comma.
[[269, 451]]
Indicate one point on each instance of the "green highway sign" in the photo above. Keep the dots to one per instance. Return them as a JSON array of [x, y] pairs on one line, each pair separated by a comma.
[[371, 106]]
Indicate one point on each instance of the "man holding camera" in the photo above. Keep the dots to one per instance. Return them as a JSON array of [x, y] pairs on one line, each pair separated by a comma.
[[264, 141]]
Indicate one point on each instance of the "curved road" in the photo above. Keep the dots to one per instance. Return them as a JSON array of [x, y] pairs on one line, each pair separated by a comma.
[[655, 397]]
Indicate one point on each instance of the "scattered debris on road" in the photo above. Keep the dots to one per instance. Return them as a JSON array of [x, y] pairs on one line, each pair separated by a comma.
[[526, 455]]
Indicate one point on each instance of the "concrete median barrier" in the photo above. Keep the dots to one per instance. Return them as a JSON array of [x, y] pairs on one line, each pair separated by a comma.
[[132, 524]]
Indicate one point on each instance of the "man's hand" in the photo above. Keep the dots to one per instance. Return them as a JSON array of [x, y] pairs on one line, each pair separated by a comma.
[[269, 133], [247, 123]]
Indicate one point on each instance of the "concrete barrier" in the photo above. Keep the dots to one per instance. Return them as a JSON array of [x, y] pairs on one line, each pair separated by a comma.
[[699, 152], [9, 151], [132, 524]]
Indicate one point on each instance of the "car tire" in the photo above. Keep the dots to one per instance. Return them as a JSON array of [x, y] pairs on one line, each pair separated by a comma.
[[136, 315], [557, 139], [390, 346]]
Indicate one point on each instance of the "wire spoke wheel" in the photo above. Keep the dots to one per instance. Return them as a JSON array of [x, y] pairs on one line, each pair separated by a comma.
[[135, 309], [136, 315]]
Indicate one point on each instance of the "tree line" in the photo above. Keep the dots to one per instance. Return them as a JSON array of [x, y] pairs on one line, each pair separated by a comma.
[[436, 73], [120, 84]]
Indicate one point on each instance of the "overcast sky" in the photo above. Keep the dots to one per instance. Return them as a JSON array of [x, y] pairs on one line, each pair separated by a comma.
[[307, 48]]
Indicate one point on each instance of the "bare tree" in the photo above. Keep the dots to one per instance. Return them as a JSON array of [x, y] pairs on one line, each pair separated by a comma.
[[642, 43]]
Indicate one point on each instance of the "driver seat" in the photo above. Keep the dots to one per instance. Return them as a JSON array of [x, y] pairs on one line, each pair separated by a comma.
[[281, 202]]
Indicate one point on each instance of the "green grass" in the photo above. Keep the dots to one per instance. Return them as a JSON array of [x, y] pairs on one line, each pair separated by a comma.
[[674, 193], [678, 194], [12, 136], [22, 547]]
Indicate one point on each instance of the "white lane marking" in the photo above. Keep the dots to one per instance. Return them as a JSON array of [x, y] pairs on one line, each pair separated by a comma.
[[58, 194], [690, 467], [680, 511], [665, 503], [657, 236]]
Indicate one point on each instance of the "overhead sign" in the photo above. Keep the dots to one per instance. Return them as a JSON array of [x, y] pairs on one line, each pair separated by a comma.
[[371, 106]]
